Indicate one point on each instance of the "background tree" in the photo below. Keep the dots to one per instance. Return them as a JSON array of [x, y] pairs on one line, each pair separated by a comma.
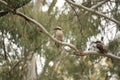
[[22, 42]]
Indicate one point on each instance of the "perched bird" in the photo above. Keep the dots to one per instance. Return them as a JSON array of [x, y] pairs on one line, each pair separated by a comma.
[[58, 35], [101, 47]]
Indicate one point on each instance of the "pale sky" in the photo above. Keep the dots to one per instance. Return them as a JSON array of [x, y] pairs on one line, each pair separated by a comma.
[[59, 4]]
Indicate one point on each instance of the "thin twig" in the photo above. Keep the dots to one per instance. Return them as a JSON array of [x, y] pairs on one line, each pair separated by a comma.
[[99, 4], [81, 29], [4, 47], [14, 66]]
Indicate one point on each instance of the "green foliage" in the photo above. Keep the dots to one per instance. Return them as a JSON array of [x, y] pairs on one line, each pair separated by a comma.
[[114, 46], [15, 4]]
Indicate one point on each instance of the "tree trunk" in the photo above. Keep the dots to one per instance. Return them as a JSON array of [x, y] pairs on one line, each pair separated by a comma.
[[31, 68]]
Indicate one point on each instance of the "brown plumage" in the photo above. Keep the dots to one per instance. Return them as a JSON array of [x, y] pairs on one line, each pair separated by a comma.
[[58, 35], [101, 47]]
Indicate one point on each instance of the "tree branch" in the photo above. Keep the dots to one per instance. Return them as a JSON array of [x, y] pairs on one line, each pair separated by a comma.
[[99, 4], [93, 11], [86, 53], [4, 49], [15, 65]]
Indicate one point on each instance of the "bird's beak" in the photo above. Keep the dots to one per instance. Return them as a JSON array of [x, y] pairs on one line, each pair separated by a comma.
[[54, 28]]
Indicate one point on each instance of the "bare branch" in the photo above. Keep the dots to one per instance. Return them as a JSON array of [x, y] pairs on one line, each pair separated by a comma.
[[86, 53], [93, 11], [99, 4], [51, 6]]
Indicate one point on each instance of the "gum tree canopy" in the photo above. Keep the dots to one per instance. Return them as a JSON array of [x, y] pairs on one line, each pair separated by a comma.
[[14, 4]]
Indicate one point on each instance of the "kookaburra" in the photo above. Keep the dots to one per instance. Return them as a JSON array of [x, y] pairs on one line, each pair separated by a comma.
[[101, 47], [58, 35]]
